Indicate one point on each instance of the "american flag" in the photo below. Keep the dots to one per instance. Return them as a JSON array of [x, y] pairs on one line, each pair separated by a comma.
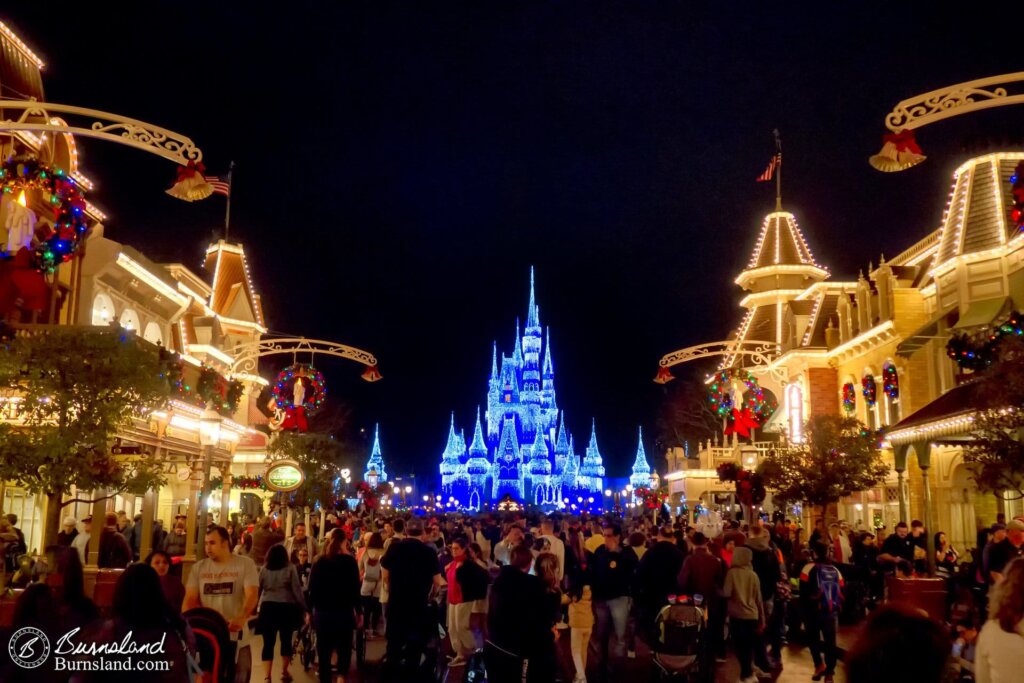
[[769, 172], [220, 185]]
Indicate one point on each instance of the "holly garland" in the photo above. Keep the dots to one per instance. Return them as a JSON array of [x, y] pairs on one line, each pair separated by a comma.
[[869, 387], [750, 488], [891, 382], [652, 499], [849, 397], [69, 219], [313, 379], [975, 354], [753, 400], [211, 388], [243, 483], [1017, 210]]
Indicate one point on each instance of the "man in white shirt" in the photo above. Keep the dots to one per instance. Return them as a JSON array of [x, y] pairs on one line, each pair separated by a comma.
[[81, 541], [503, 552], [226, 583], [547, 532]]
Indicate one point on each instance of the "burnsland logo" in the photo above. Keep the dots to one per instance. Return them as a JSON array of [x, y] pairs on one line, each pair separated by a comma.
[[29, 648]]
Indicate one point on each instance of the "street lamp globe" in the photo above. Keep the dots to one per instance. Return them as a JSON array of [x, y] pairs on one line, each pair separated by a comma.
[[608, 493], [408, 489], [209, 427]]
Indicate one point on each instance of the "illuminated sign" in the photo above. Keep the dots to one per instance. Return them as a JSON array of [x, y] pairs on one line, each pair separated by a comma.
[[284, 475]]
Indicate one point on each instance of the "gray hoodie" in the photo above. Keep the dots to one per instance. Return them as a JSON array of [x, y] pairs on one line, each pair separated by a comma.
[[742, 588]]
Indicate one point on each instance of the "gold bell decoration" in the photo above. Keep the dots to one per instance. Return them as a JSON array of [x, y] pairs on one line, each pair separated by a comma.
[[664, 376], [190, 184], [372, 374], [899, 152]]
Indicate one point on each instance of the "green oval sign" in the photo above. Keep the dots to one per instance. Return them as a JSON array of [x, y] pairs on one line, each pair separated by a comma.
[[284, 476]]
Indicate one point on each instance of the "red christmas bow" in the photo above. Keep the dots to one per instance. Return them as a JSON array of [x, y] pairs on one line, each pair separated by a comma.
[[904, 141], [190, 170], [742, 422]]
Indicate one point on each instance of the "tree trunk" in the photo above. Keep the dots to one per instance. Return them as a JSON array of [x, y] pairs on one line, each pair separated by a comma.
[[51, 522]]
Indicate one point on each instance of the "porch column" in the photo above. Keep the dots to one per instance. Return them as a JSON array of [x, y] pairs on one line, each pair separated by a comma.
[[149, 504], [900, 455], [99, 513], [195, 492], [225, 494], [923, 449]]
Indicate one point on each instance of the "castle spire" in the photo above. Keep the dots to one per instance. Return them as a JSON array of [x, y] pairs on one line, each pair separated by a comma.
[[478, 447], [640, 465], [376, 440], [593, 433], [548, 367], [532, 312], [517, 354], [494, 361]]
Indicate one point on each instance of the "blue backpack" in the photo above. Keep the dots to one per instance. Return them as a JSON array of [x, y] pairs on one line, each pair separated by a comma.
[[829, 589]]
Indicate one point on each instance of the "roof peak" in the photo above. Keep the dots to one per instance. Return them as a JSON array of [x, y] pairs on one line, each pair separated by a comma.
[[781, 243]]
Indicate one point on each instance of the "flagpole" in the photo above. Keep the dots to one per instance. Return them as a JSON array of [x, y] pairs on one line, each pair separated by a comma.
[[227, 213], [778, 171]]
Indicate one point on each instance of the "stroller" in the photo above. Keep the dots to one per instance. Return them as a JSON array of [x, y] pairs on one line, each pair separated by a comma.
[[221, 659], [679, 648], [304, 646]]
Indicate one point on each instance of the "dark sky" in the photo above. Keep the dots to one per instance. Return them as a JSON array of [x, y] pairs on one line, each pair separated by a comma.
[[401, 165]]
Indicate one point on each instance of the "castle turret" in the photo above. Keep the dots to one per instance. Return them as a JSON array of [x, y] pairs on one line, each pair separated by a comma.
[[376, 461], [641, 477]]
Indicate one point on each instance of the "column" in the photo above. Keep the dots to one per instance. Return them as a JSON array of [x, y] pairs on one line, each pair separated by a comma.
[[195, 483], [149, 504], [901, 484], [225, 494], [99, 514], [929, 530]]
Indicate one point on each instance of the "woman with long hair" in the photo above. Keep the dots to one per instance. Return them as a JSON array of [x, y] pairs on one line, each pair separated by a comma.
[[1000, 653], [282, 608], [946, 557], [373, 580], [141, 612], [334, 588], [174, 590], [300, 558], [459, 609], [545, 566]]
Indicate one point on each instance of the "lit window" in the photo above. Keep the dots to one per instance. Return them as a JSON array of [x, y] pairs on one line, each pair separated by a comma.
[[795, 412], [102, 310]]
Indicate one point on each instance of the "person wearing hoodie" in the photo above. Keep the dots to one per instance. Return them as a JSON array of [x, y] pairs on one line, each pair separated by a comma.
[[369, 590], [742, 591], [767, 566]]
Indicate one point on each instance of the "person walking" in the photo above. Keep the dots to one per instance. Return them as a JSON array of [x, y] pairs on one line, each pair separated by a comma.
[[334, 588], [282, 608], [226, 583], [657, 577], [114, 552], [263, 538], [821, 598], [742, 591], [372, 582], [612, 571], [581, 623], [69, 530], [999, 657], [300, 539], [172, 587], [766, 564], [703, 574], [515, 623], [411, 573], [473, 578], [545, 567]]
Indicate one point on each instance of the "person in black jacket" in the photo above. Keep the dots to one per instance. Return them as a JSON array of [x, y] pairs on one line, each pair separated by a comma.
[[612, 572], [516, 622], [334, 600], [657, 577], [767, 564]]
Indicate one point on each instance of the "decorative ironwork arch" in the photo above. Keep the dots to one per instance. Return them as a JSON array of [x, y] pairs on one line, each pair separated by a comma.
[[761, 355], [105, 126], [248, 355]]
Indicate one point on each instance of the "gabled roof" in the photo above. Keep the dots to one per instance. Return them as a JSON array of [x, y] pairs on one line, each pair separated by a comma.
[[781, 243], [232, 295]]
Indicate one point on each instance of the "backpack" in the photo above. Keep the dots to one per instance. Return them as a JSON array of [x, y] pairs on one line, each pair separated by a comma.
[[829, 589], [372, 572]]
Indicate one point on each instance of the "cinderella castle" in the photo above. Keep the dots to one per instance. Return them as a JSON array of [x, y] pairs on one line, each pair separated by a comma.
[[522, 448]]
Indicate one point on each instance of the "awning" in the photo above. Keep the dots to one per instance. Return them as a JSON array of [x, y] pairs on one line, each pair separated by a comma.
[[949, 415], [980, 313]]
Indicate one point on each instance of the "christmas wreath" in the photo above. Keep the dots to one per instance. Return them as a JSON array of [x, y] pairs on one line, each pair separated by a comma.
[[1017, 210], [849, 397], [870, 390], [62, 192], [891, 382], [750, 488], [313, 380], [754, 409]]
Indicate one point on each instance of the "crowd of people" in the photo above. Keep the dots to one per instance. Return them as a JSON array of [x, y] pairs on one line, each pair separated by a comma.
[[513, 592]]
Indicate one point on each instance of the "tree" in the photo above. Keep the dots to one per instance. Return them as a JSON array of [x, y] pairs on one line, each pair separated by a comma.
[[685, 414], [837, 457], [74, 389], [319, 456], [995, 455]]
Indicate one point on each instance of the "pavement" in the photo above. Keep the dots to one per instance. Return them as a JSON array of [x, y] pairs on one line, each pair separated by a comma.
[[796, 662]]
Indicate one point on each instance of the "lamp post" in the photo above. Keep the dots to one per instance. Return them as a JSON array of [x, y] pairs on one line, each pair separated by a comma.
[[209, 437], [405, 493], [372, 478]]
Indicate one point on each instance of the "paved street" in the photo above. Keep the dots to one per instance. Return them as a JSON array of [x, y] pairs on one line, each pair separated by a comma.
[[796, 661]]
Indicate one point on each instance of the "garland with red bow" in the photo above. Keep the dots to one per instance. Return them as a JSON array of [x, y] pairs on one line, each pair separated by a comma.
[[652, 499], [750, 488], [62, 193]]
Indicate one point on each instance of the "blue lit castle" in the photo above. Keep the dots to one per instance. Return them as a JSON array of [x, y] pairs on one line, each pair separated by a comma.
[[522, 448], [376, 461]]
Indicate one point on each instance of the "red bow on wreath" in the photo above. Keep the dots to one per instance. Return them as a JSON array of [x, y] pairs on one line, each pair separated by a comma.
[[742, 422], [295, 418], [190, 185], [190, 170]]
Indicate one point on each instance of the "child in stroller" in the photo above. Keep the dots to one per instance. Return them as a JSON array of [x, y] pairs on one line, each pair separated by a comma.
[[679, 647]]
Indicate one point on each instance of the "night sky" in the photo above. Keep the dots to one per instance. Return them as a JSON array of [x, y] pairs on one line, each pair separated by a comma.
[[401, 165]]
